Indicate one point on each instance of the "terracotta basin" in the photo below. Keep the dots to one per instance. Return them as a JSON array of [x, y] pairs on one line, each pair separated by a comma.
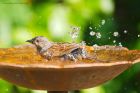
[[23, 66]]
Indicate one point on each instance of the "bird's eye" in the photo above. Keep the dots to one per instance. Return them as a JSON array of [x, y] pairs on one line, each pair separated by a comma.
[[37, 41]]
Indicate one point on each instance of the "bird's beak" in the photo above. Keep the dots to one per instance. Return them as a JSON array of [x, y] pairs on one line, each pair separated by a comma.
[[30, 41]]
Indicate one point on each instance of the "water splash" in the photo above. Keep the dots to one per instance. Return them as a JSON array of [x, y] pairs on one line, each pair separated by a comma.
[[114, 41], [103, 22], [96, 47], [74, 33], [120, 44], [90, 28], [98, 35], [116, 34], [125, 31], [84, 53], [83, 43], [92, 33]]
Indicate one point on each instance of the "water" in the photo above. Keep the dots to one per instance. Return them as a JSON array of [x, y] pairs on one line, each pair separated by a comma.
[[74, 33], [120, 44], [92, 33], [83, 44], [114, 41], [98, 35], [90, 28], [125, 31], [103, 22], [115, 34], [96, 47]]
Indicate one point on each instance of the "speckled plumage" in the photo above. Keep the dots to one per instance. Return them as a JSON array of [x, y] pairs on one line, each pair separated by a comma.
[[66, 51]]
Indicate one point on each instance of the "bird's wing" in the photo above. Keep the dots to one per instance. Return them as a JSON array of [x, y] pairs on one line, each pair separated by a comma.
[[59, 49]]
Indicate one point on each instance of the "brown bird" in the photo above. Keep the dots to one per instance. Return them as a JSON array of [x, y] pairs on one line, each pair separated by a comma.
[[67, 51]]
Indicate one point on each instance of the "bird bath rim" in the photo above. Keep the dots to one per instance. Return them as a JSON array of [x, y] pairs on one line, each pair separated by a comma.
[[77, 65]]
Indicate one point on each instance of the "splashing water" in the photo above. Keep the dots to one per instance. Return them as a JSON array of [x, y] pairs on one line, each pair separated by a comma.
[[92, 33], [74, 33], [114, 41], [120, 44], [90, 28], [115, 34], [98, 35], [95, 45], [83, 44], [125, 31], [103, 22]]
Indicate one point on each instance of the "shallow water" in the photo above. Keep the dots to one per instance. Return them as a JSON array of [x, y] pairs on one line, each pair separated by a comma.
[[96, 54]]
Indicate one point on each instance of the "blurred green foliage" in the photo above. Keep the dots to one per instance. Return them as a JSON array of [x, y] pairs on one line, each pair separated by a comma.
[[23, 19]]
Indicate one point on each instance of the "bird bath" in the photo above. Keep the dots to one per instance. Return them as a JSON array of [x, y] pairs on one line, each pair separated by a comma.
[[23, 66]]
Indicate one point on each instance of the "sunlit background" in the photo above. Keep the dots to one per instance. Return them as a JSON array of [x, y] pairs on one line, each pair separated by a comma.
[[102, 22]]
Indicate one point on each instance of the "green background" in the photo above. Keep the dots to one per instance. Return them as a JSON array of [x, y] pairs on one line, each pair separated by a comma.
[[21, 20]]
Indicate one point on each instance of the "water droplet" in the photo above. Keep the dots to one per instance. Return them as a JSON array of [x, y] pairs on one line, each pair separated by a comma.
[[125, 31], [138, 35], [92, 33], [103, 22], [98, 35], [74, 33], [96, 47], [90, 28], [115, 34], [83, 43], [120, 44], [114, 41]]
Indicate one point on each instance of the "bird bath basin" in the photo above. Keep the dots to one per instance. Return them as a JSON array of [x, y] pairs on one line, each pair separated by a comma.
[[23, 66]]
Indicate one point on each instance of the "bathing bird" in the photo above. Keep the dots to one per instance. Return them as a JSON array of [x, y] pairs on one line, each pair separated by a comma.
[[66, 51]]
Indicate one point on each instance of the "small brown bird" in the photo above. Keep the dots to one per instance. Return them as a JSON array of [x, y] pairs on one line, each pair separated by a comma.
[[48, 49]]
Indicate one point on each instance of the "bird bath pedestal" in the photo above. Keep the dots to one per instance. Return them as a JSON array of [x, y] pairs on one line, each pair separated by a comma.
[[23, 66]]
